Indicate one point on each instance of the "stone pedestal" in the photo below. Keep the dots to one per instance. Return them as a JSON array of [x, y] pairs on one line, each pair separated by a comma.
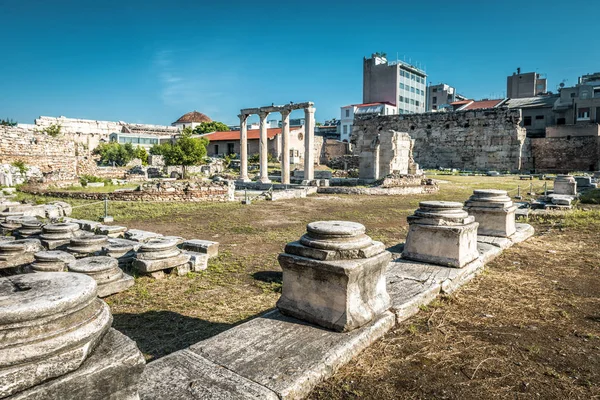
[[159, 254], [121, 249], [50, 323], [494, 211], [51, 261], [18, 253], [565, 184], [441, 232], [57, 235], [85, 246], [334, 276], [105, 271]]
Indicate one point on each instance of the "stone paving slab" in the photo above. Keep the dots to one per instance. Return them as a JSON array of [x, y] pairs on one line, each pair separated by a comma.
[[186, 375], [111, 372], [287, 355], [524, 232]]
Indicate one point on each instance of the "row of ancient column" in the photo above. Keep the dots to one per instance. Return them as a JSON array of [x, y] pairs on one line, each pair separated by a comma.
[[309, 144]]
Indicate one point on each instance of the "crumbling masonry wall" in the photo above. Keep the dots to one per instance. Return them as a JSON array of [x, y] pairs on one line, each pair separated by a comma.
[[382, 151], [58, 158], [566, 154], [488, 139]]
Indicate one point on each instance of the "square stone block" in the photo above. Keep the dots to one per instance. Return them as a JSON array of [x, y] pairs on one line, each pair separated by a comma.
[[202, 246], [340, 295], [451, 246], [494, 222]]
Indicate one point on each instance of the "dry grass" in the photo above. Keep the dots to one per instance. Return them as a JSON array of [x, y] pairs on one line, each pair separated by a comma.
[[529, 327]]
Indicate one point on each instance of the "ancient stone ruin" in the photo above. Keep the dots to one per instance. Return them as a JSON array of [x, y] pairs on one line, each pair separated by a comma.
[[160, 254], [494, 211], [56, 341], [105, 271], [334, 276], [441, 232]]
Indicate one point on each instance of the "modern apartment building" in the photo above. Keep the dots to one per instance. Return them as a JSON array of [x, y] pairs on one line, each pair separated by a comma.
[[528, 84], [352, 110], [439, 97], [394, 82]]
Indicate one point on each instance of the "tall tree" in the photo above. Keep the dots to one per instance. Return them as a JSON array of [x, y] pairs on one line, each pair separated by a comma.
[[185, 151], [213, 126]]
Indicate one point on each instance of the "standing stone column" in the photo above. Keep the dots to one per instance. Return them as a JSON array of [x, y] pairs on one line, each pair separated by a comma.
[[244, 148], [494, 211], [309, 144], [263, 148], [285, 153]]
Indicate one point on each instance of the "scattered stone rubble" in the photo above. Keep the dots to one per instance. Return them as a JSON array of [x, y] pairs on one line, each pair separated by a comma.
[[51, 261], [159, 255], [55, 236]]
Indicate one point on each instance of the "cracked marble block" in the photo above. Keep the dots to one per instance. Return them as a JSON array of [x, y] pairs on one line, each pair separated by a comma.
[[49, 324], [56, 235], [565, 184], [159, 254], [441, 232], [51, 261], [18, 253], [112, 231], [105, 271], [334, 276], [85, 246], [494, 211]]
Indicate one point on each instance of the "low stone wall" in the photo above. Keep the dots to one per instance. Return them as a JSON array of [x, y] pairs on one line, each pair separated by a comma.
[[379, 191], [161, 191]]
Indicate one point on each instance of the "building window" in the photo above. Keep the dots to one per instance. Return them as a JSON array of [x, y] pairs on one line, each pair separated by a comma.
[[230, 148], [434, 107], [401, 73], [401, 85], [434, 100], [347, 113], [412, 77], [345, 129], [401, 99], [406, 100], [434, 90], [216, 149], [527, 121], [539, 117], [417, 103], [583, 114], [412, 89], [412, 101]]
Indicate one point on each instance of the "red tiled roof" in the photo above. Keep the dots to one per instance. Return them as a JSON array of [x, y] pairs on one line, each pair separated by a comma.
[[477, 105], [252, 134], [460, 102]]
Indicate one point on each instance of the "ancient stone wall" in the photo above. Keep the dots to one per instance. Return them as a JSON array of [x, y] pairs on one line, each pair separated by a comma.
[[471, 140], [58, 158], [332, 149], [563, 155], [189, 191]]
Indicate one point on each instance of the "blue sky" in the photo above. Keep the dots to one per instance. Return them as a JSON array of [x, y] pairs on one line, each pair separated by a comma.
[[152, 61]]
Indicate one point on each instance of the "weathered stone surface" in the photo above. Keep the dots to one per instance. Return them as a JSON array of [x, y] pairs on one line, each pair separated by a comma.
[[50, 322], [29, 229], [441, 232], [112, 231], [105, 271], [565, 184], [51, 261], [121, 249], [494, 211], [138, 235], [55, 236], [84, 246], [159, 254], [18, 253], [198, 261], [192, 377], [111, 372], [343, 292], [287, 355], [202, 246], [524, 232], [85, 224]]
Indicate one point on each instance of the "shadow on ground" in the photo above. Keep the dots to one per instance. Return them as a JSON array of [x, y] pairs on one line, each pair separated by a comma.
[[269, 276], [158, 333]]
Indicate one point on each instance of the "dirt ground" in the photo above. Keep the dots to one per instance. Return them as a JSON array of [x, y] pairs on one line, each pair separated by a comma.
[[529, 327]]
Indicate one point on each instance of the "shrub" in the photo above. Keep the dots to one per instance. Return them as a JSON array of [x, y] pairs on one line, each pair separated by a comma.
[[20, 165], [53, 130]]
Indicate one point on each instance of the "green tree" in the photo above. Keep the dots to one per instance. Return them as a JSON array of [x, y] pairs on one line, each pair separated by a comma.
[[213, 126], [185, 151], [120, 154], [53, 130], [7, 122]]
